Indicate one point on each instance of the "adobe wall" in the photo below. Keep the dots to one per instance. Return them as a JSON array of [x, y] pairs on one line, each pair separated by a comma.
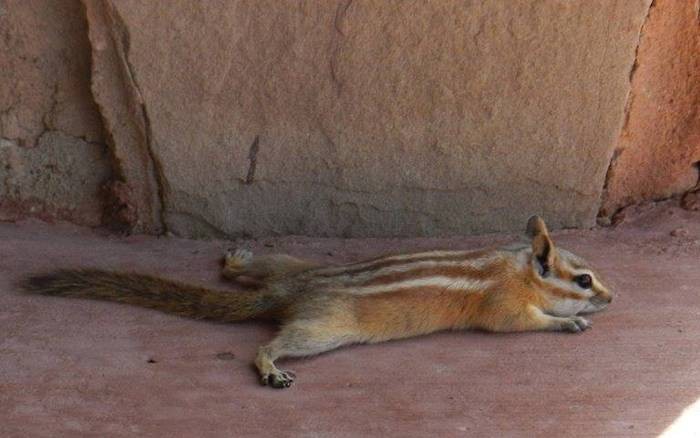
[[348, 118], [53, 155]]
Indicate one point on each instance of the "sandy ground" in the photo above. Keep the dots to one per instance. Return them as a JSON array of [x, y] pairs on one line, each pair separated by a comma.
[[85, 368]]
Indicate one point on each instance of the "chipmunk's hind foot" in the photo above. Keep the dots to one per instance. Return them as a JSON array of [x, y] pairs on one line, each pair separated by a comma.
[[241, 263], [237, 262], [278, 379], [303, 338], [238, 257]]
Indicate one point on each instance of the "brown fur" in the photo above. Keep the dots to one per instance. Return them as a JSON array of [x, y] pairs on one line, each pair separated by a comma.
[[322, 308], [156, 293]]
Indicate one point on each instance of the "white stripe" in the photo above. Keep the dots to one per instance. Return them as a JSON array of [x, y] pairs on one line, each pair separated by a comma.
[[448, 283], [397, 269], [400, 257], [347, 279], [416, 255]]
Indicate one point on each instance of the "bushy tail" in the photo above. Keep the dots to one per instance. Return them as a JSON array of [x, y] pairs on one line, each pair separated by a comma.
[[155, 293]]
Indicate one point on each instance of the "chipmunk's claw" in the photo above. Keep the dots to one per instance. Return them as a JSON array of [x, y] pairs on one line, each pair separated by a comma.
[[279, 380], [576, 324]]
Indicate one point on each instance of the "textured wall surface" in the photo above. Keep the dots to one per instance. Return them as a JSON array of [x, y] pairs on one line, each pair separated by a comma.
[[344, 118], [658, 151], [52, 153], [377, 118]]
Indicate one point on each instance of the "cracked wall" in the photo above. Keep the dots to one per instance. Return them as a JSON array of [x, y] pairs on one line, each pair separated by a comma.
[[658, 151], [136, 201], [52, 152], [344, 118]]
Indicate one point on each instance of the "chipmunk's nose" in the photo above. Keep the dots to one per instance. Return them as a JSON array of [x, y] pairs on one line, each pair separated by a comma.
[[605, 297]]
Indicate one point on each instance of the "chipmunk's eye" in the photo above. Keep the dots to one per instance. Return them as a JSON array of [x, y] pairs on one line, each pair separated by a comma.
[[584, 280]]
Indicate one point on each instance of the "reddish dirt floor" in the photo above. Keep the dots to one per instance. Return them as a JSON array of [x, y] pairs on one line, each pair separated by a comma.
[[87, 368]]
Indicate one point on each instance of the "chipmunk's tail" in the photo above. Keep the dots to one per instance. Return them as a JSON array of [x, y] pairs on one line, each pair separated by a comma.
[[155, 293]]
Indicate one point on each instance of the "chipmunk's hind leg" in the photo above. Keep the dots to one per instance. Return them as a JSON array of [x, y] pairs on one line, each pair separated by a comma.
[[242, 263], [297, 340]]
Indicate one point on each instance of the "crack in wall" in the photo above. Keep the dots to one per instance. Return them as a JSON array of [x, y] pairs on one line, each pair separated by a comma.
[[340, 13], [617, 151], [253, 157], [47, 120], [124, 43], [696, 165], [119, 107]]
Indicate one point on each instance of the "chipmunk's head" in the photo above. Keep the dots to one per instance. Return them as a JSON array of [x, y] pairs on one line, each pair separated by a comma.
[[569, 283]]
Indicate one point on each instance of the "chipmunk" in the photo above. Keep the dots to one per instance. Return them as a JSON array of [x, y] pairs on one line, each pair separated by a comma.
[[511, 289]]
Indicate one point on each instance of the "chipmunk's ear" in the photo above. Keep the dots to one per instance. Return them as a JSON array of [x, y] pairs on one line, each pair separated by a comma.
[[542, 246]]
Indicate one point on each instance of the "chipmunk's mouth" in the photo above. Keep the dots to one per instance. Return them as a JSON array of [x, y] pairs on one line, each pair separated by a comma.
[[595, 304], [600, 302]]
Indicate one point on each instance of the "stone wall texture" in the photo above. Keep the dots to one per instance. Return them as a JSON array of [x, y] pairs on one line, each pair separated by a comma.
[[53, 157], [348, 118]]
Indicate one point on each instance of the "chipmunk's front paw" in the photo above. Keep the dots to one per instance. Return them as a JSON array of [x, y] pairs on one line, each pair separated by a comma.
[[576, 324], [278, 379]]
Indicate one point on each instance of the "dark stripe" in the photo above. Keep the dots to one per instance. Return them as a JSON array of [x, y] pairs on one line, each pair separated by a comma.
[[381, 262], [565, 294], [434, 271]]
